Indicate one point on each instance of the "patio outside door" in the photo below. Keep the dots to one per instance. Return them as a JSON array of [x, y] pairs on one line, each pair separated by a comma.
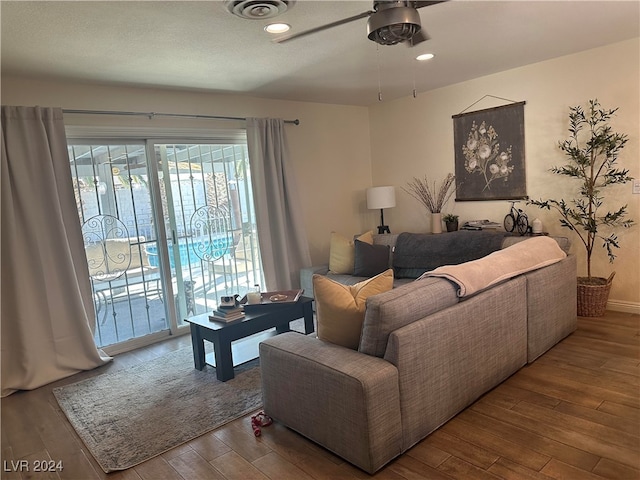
[[166, 238]]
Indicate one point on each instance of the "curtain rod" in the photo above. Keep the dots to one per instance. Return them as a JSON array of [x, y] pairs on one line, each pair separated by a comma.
[[156, 114]]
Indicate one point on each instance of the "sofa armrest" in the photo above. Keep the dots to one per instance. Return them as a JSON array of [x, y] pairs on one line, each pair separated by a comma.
[[306, 277], [551, 305], [344, 400]]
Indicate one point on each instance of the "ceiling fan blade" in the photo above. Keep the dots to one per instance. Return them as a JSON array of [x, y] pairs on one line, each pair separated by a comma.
[[421, 36], [418, 4], [286, 38]]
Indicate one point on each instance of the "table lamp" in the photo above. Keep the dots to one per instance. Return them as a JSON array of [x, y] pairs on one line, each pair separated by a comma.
[[381, 197]]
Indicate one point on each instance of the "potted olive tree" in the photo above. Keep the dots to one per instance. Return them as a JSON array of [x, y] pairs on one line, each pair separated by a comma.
[[592, 151]]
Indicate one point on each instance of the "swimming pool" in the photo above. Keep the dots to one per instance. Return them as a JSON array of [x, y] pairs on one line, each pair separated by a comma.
[[187, 251]]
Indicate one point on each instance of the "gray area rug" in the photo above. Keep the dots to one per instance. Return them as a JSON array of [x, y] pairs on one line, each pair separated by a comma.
[[130, 416]]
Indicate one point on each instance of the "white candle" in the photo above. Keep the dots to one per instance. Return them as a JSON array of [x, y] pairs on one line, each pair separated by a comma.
[[253, 298]]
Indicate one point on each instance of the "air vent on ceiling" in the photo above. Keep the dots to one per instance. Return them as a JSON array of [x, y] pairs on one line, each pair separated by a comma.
[[258, 9]]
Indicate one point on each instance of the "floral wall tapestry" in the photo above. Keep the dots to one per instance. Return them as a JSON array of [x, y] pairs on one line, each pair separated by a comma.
[[489, 154]]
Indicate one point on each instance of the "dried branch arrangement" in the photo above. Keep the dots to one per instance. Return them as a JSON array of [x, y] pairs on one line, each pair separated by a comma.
[[427, 194]]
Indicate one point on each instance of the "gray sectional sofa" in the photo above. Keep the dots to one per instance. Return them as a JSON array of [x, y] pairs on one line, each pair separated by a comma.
[[424, 355], [409, 263]]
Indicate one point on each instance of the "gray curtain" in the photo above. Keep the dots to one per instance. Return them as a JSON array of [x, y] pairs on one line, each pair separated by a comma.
[[281, 233], [47, 308]]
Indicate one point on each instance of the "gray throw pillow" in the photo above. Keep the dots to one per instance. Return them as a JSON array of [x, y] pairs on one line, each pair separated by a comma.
[[370, 260]]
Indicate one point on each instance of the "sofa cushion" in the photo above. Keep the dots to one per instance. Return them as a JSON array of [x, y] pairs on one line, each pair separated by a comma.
[[342, 252], [416, 253], [401, 306], [340, 308], [531, 254], [370, 260]]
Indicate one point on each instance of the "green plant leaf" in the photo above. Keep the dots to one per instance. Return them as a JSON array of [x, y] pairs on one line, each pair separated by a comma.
[[592, 151]]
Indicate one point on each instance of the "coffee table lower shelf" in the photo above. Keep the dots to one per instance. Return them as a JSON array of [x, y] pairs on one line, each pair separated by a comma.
[[244, 350]]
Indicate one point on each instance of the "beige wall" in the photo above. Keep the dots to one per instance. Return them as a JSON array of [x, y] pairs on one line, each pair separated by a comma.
[[414, 136], [329, 149], [339, 151]]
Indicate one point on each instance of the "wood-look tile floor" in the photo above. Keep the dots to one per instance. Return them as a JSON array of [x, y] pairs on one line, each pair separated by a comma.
[[572, 414]]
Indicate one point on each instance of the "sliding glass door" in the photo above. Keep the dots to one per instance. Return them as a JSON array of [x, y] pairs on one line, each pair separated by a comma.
[[209, 221], [168, 227], [113, 198]]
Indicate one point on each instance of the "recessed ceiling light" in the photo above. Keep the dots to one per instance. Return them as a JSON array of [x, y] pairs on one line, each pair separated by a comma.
[[425, 56], [277, 28]]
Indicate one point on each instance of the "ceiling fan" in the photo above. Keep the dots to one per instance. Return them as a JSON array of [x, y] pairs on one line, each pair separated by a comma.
[[390, 22]]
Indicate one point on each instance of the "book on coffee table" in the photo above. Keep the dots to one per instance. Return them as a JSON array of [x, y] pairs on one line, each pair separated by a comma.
[[227, 314]]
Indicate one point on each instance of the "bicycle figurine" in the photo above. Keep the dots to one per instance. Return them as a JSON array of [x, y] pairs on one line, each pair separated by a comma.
[[516, 219]]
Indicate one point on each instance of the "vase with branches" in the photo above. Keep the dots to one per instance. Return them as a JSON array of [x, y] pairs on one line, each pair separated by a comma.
[[433, 198], [592, 150]]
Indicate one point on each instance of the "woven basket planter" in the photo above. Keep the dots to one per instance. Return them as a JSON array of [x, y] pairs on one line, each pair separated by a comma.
[[593, 294]]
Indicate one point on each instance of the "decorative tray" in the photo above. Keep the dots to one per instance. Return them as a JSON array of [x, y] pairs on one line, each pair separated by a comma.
[[277, 297]]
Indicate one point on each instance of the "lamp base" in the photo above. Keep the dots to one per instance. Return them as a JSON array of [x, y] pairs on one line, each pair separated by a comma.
[[382, 228]]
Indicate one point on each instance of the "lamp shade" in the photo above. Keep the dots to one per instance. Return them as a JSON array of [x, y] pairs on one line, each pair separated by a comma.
[[381, 197]]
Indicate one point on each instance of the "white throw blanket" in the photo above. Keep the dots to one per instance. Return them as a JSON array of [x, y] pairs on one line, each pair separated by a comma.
[[530, 254]]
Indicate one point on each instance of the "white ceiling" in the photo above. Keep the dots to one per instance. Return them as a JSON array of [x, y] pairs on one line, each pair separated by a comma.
[[200, 45]]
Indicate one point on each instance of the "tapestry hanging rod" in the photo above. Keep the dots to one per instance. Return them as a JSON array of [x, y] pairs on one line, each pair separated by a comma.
[[156, 114]]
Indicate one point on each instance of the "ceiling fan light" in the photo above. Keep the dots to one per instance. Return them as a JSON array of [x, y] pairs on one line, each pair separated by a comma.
[[394, 34], [393, 25]]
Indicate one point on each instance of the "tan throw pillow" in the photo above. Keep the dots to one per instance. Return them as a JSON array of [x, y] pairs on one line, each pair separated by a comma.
[[340, 308], [342, 252], [366, 237]]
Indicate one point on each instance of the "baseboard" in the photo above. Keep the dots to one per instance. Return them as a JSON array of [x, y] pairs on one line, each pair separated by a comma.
[[139, 342], [625, 307]]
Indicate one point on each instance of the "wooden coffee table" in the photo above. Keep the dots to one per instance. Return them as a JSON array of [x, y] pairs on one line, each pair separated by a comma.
[[222, 335]]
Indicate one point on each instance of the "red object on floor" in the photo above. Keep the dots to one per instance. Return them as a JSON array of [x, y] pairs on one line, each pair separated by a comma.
[[258, 421]]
